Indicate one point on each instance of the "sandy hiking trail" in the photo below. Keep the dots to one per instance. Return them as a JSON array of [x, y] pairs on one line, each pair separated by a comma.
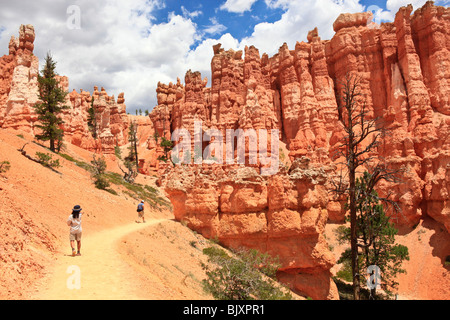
[[103, 274]]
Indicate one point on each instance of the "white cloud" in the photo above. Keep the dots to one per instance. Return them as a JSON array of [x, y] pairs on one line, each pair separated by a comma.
[[121, 48], [392, 7], [298, 19], [237, 6], [199, 59], [277, 3], [190, 14], [118, 46], [215, 27]]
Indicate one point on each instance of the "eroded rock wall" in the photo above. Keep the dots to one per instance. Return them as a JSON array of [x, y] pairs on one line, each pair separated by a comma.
[[404, 81], [403, 67], [284, 215]]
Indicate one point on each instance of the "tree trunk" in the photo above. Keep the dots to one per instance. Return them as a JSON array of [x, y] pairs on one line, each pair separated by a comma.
[[135, 149], [353, 226], [352, 164]]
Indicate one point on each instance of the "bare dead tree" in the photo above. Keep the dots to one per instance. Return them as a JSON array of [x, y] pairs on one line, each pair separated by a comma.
[[130, 175], [359, 149]]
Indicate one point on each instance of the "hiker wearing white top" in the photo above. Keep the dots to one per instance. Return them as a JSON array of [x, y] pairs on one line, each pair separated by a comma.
[[74, 222]]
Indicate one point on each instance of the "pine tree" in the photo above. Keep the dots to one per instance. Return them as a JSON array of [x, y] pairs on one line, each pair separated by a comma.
[[167, 146], [51, 97], [358, 148], [92, 121], [375, 236], [132, 157]]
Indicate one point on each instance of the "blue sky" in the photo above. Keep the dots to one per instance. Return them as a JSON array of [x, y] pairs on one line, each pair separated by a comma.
[[209, 16], [128, 46], [216, 19]]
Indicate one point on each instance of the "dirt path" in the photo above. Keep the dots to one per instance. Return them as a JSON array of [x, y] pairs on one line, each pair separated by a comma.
[[100, 272]]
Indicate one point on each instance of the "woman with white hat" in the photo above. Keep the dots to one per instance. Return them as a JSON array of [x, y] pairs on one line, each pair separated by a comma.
[[74, 222]]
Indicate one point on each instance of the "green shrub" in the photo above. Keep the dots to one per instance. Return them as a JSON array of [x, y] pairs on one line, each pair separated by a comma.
[[98, 173], [101, 182], [117, 152], [46, 160], [138, 191], [80, 164], [249, 276], [4, 166]]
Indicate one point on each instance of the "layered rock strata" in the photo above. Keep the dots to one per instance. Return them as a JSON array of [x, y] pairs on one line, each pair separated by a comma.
[[404, 82], [283, 215]]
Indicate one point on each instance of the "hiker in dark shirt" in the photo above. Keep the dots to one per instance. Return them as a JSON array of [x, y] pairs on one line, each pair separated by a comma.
[[140, 210]]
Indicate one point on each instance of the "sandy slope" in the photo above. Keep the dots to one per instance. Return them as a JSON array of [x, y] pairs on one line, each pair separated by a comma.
[[35, 203]]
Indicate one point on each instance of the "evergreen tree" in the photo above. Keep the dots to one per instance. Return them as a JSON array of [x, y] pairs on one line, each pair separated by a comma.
[[132, 158], [167, 146], [51, 97], [249, 275], [375, 236], [92, 121]]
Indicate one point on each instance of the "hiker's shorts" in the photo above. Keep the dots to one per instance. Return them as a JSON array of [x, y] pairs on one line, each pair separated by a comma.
[[76, 236]]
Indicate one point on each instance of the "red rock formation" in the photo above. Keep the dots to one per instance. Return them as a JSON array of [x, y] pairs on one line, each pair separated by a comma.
[[404, 81], [111, 120], [19, 86], [228, 90], [75, 119], [431, 37], [283, 215], [261, 110]]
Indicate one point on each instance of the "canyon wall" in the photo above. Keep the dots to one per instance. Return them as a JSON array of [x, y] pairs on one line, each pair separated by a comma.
[[404, 72], [284, 215]]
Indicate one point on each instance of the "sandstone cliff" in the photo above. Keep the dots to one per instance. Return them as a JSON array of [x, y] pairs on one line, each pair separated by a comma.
[[403, 67], [405, 81]]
